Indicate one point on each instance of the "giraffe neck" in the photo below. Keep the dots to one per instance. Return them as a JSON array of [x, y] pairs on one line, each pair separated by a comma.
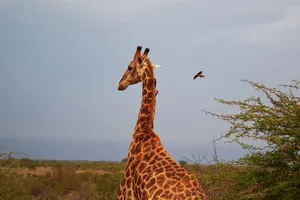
[[147, 109]]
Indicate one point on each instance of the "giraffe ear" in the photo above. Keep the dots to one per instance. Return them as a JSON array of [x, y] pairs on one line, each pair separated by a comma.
[[156, 66]]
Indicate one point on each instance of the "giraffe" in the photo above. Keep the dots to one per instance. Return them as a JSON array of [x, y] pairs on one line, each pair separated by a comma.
[[150, 172]]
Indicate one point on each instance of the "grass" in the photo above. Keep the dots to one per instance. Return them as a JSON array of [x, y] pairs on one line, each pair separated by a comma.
[[91, 180]]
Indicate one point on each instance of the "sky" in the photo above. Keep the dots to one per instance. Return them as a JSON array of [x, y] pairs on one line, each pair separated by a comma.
[[61, 61]]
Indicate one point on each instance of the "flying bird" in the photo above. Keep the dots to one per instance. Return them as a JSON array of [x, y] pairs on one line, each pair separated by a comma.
[[199, 75]]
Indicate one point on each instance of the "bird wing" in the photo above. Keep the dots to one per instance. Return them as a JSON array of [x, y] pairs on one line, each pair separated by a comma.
[[198, 74]]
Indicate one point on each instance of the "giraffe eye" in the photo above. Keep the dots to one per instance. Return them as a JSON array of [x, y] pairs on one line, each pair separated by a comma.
[[130, 68]]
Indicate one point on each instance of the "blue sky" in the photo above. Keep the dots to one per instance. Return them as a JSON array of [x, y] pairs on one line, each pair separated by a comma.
[[61, 61]]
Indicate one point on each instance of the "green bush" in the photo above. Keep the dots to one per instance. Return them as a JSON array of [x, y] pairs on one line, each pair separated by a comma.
[[11, 179], [273, 165], [106, 186]]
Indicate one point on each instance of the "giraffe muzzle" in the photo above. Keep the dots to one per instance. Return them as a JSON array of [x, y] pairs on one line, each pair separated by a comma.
[[121, 87]]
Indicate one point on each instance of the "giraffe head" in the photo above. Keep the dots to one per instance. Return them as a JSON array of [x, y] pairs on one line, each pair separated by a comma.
[[135, 69]]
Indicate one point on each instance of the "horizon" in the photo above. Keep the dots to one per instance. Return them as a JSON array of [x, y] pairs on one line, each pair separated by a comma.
[[97, 150]]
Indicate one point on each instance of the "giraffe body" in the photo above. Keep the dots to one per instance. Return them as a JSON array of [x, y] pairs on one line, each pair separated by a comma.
[[150, 172]]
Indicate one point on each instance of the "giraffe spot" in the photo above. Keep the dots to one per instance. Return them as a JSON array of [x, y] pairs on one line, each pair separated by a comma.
[[133, 165], [179, 186], [148, 170], [138, 137], [181, 174], [150, 183], [154, 167], [156, 157], [123, 182], [149, 100], [150, 94], [174, 189], [185, 178], [130, 160], [159, 170], [166, 186], [182, 196], [142, 118], [170, 161], [176, 167], [168, 167], [130, 183], [136, 191], [159, 164], [152, 162], [129, 194], [145, 109], [161, 179], [180, 170], [143, 184], [138, 157], [158, 149], [154, 142], [146, 138], [137, 149], [127, 174], [187, 192], [147, 149], [148, 156], [158, 193], [171, 182], [188, 185], [145, 195], [170, 196], [176, 177], [147, 144], [168, 175], [139, 181], [150, 84], [164, 162], [152, 189], [142, 166], [162, 154], [144, 92], [144, 126]]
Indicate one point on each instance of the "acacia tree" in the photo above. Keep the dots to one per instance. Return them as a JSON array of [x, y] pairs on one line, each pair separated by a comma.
[[274, 163]]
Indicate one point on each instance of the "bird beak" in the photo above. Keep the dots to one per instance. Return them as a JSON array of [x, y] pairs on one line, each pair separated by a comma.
[[156, 66]]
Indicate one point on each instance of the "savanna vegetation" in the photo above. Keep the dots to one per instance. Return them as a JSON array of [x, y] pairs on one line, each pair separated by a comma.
[[270, 170]]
